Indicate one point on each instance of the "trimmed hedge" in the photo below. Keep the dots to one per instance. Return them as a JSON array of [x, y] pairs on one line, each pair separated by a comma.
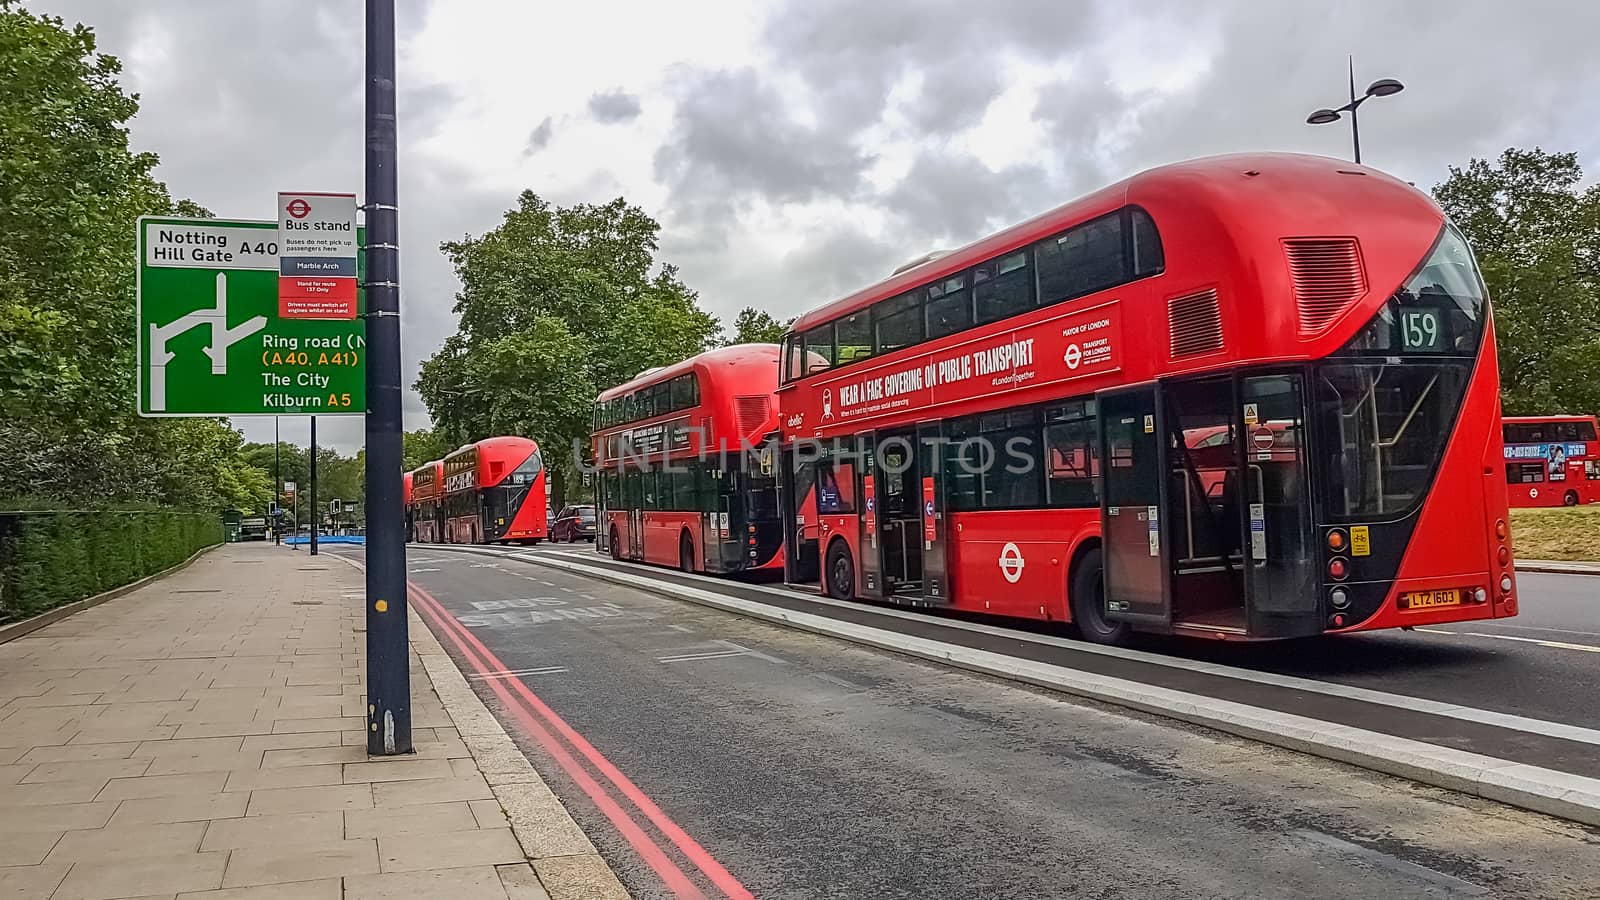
[[52, 557]]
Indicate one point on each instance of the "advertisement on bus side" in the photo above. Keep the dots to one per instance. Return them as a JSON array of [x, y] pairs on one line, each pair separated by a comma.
[[1077, 344]]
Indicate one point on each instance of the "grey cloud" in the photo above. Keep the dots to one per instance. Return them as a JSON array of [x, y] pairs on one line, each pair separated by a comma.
[[611, 107], [852, 54], [539, 138], [954, 198], [1477, 81], [732, 133]]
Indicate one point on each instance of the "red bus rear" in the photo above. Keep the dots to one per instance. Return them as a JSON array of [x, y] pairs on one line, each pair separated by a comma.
[[685, 470], [1551, 460], [1242, 397], [493, 491], [425, 513]]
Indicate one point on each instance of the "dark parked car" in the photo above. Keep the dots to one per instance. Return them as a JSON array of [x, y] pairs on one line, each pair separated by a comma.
[[573, 523]]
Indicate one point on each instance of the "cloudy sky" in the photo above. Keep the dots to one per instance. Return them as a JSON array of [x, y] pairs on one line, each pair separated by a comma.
[[794, 150]]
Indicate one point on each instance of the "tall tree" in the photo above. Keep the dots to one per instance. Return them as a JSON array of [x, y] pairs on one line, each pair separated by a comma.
[[71, 190], [757, 326], [556, 303], [1536, 234]]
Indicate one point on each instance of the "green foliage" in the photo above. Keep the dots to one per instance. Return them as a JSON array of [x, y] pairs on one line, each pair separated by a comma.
[[55, 557], [1537, 238], [757, 326], [423, 445], [71, 190], [556, 304]]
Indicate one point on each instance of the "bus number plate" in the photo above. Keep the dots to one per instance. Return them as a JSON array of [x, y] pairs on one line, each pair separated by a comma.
[[1429, 599]]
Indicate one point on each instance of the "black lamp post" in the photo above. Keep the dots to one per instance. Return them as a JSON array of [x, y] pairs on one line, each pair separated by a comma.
[[1383, 87]]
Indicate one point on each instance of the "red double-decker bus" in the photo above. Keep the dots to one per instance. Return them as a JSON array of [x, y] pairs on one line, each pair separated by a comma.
[[425, 512], [1243, 397], [492, 491], [406, 504], [685, 468], [1552, 460]]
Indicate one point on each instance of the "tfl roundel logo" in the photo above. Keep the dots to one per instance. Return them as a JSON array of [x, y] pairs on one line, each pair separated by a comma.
[[1011, 562]]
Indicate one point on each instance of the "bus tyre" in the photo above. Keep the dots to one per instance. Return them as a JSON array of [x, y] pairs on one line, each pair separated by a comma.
[[1088, 598], [839, 575], [686, 554], [616, 548], [1570, 498]]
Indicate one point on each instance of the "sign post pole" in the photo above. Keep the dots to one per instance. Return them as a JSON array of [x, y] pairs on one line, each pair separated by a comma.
[[316, 517], [388, 660]]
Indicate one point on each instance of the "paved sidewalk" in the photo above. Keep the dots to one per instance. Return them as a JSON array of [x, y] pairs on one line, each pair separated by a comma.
[[202, 737]]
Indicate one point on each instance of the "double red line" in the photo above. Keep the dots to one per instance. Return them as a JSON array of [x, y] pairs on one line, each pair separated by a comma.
[[541, 723]]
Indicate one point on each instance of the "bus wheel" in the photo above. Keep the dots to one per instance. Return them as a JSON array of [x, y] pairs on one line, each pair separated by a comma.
[[616, 548], [1570, 499], [686, 554], [840, 573], [1089, 602]]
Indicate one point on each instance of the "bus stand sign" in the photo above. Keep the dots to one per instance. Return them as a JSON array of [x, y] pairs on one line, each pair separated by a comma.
[[210, 337]]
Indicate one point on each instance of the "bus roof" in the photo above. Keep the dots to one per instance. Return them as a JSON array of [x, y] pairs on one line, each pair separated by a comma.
[[496, 457], [1213, 184], [737, 356]]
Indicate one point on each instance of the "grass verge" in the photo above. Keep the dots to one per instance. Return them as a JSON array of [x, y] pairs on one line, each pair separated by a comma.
[[1558, 532]]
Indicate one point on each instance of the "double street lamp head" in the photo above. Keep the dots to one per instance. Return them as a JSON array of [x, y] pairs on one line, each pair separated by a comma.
[[1383, 87]]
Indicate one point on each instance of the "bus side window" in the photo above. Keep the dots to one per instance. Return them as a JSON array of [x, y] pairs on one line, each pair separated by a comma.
[[1072, 458]]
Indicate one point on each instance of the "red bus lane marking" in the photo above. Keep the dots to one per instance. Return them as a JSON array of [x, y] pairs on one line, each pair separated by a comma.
[[721, 877], [648, 850]]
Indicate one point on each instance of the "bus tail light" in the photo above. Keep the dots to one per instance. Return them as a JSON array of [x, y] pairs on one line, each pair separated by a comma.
[[1479, 595], [1337, 621], [1505, 556], [1339, 597], [1505, 583], [1338, 568], [1500, 529], [1337, 540]]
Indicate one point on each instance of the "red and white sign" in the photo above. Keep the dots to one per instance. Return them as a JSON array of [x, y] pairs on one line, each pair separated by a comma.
[[316, 256], [1077, 344]]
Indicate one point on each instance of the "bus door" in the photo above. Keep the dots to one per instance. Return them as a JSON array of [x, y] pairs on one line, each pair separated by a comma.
[[797, 478], [1132, 514], [897, 484], [1282, 583], [871, 536], [1205, 476], [935, 581]]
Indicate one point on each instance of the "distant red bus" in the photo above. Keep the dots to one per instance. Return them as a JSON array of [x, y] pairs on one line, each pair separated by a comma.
[[492, 491], [685, 472], [1242, 397], [1551, 460], [405, 504], [425, 512]]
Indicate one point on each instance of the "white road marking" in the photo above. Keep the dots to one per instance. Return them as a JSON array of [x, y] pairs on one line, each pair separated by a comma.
[[1558, 645], [518, 673], [683, 628], [695, 657], [422, 570], [728, 649]]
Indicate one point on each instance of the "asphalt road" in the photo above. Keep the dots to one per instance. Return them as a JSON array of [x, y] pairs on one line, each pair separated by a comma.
[[809, 767], [1543, 663]]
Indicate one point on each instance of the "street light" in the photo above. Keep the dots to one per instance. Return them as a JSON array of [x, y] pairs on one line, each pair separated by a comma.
[[1383, 87]]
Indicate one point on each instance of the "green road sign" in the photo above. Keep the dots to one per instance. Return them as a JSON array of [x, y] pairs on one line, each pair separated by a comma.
[[211, 342]]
